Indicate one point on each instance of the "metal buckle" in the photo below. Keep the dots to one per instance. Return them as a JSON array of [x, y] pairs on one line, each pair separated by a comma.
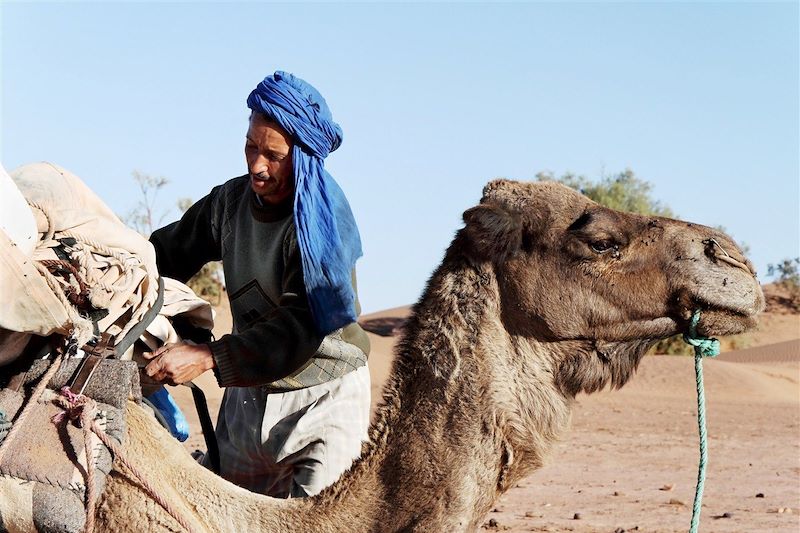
[[94, 353]]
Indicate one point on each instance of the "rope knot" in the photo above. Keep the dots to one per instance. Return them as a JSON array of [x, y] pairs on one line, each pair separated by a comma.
[[703, 346], [77, 407]]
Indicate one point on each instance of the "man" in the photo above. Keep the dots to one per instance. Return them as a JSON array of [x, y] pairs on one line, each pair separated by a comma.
[[296, 404]]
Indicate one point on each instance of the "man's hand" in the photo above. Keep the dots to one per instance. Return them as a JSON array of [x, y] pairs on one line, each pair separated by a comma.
[[174, 364]]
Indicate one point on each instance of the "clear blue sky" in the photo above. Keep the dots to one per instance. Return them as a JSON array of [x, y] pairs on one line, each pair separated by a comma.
[[435, 100]]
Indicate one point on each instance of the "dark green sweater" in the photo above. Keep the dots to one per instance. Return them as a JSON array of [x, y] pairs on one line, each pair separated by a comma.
[[274, 342]]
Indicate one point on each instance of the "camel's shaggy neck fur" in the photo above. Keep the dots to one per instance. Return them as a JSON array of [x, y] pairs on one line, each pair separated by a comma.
[[452, 432]]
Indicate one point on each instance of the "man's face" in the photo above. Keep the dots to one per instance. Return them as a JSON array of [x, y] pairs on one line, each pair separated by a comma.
[[268, 151]]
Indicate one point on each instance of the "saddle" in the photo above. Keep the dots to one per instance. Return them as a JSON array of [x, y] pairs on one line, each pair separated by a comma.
[[44, 470], [91, 284]]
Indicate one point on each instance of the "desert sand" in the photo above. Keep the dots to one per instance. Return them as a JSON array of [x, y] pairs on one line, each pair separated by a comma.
[[629, 462]]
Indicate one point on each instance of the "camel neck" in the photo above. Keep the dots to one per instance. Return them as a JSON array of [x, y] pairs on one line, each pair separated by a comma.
[[449, 436], [432, 461]]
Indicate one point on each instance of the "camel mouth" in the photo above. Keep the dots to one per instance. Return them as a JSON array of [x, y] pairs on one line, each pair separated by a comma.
[[723, 310], [716, 321]]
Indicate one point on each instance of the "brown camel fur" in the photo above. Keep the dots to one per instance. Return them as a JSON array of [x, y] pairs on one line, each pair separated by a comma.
[[542, 295]]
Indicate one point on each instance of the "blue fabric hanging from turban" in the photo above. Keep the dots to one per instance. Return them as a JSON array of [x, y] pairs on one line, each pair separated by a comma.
[[326, 230]]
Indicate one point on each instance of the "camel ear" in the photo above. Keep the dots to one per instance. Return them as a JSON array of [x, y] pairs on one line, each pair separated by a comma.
[[494, 232]]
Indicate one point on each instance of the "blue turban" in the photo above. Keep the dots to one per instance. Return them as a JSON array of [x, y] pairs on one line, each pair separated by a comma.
[[326, 230]]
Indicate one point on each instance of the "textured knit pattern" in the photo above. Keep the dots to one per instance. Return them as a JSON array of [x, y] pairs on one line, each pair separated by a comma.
[[334, 358]]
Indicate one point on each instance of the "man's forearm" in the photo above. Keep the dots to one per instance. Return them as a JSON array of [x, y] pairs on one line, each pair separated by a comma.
[[267, 352]]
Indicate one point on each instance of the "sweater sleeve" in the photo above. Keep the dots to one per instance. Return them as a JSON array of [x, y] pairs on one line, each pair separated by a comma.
[[183, 247], [281, 343]]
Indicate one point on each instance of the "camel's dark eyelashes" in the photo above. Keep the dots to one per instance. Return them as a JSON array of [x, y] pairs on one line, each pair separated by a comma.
[[591, 243], [603, 246]]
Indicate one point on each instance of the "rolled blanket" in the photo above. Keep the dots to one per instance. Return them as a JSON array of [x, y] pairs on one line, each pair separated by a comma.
[[88, 274]]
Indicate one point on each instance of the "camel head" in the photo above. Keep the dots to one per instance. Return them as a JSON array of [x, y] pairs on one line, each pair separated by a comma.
[[604, 284]]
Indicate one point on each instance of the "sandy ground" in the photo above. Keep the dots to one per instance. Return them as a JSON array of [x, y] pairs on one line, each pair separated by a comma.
[[630, 460], [631, 457]]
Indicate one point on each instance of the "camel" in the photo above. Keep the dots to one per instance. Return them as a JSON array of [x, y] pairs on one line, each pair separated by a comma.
[[542, 295]]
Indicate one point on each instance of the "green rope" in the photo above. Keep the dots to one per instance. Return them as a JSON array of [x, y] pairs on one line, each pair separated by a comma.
[[703, 347]]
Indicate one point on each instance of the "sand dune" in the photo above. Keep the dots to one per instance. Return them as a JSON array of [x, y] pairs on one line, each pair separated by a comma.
[[781, 352], [673, 377]]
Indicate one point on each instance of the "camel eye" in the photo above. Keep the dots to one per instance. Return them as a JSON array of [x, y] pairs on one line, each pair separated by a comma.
[[601, 246]]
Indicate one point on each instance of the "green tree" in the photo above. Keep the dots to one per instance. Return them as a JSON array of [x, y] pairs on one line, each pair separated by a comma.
[[786, 272], [623, 191], [787, 277]]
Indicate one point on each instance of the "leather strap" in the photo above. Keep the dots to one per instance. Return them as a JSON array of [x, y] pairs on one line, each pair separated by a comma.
[[137, 330], [84, 373], [94, 353], [209, 435]]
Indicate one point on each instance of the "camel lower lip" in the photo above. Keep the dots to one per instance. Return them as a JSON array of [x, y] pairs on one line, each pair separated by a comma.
[[721, 322]]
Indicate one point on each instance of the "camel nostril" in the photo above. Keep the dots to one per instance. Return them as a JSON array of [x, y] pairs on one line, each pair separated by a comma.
[[716, 252]]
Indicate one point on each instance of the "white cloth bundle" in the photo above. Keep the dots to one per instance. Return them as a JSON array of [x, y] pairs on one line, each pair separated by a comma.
[[115, 267]]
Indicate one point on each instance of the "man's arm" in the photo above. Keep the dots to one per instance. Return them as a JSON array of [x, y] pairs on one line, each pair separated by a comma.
[[275, 347], [183, 247], [280, 343]]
